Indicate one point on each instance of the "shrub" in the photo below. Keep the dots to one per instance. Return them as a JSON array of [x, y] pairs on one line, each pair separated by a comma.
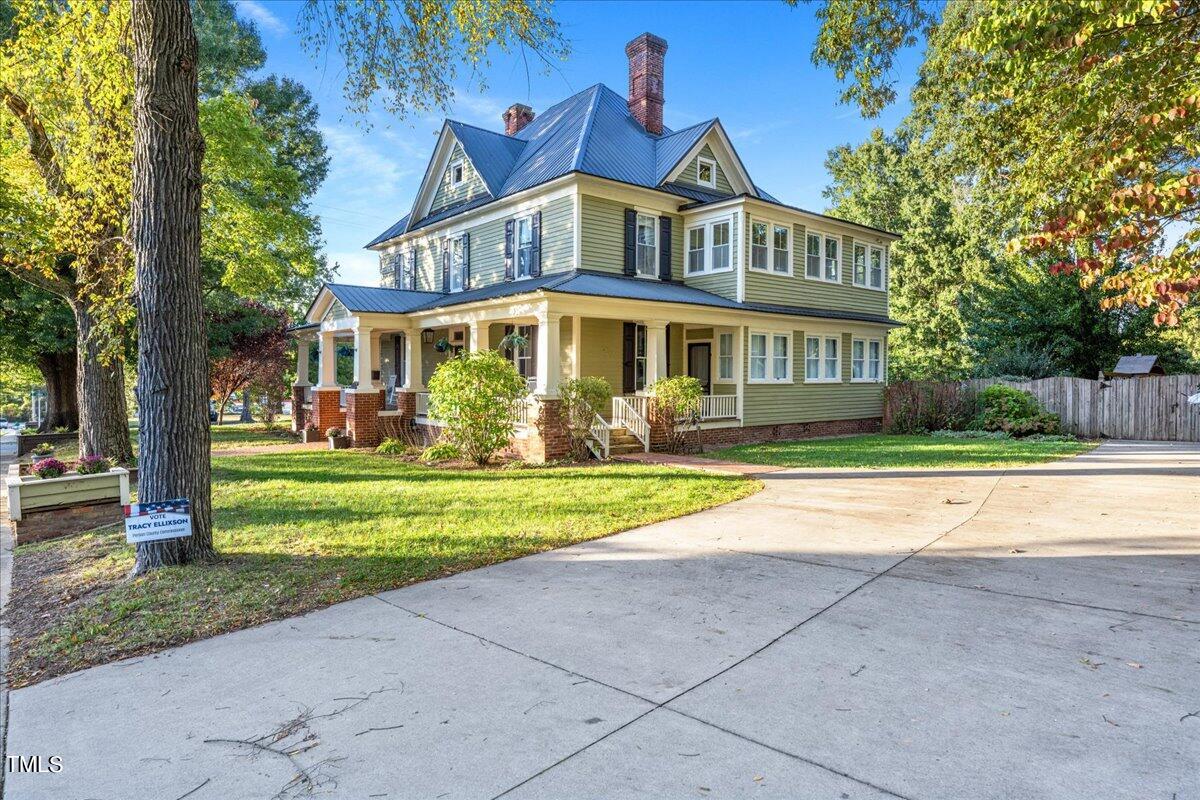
[[971, 434], [50, 468], [1003, 408], [334, 432], [392, 447], [920, 406], [62, 429], [441, 451], [92, 465], [473, 395], [43, 449], [677, 398], [582, 399]]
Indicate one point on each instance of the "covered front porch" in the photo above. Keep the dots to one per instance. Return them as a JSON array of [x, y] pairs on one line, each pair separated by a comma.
[[629, 344]]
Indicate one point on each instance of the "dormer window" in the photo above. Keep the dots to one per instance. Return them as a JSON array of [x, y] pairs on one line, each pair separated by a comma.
[[456, 174], [706, 172]]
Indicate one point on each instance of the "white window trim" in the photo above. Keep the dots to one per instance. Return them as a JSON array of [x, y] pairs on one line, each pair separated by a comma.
[[823, 338], [841, 261], [458, 163], [711, 163], [448, 244], [769, 269], [866, 283], [707, 258], [770, 356], [732, 379], [517, 276], [657, 226], [866, 343]]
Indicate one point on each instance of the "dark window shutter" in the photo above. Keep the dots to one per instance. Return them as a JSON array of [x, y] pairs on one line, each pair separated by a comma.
[[446, 266], [466, 251], [509, 272], [628, 354], [664, 248], [412, 273], [630, 242], [535, 265]]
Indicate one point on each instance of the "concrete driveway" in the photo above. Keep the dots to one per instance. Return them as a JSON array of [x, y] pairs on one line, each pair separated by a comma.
[[1031, 633]]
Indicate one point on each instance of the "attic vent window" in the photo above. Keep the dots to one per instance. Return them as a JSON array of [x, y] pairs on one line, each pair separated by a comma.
[[456, 174], [706, 172]]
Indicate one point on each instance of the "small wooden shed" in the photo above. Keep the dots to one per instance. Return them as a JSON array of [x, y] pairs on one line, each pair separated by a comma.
[[1138, 366]]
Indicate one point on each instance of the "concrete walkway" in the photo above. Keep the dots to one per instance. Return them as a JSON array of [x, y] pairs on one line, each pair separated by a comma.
[[1032, 633]]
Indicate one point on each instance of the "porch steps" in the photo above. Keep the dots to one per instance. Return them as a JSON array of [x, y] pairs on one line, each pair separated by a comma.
[[622, 442]]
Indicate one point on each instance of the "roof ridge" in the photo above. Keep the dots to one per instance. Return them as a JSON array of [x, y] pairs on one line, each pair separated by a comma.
[[485, 130], [585, 134]]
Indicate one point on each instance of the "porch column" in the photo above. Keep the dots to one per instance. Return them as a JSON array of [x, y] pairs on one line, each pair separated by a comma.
[[413, 381], [479, 336], [302, 362], [656, 351], [327, 379], [300, 387], [549, 367], [739, 365], [363, 358], [576, 346]]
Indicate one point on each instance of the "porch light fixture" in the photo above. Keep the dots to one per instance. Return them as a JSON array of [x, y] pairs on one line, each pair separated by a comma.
[[427, 336]]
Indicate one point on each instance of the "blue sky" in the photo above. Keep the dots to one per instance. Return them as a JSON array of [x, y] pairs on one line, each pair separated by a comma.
[[745, 62]]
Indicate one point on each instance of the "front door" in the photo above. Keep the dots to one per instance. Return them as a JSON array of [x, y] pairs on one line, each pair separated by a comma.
[[700, 364]]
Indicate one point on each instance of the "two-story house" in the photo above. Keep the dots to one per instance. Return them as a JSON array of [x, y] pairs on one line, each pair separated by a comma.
[[617, 248]]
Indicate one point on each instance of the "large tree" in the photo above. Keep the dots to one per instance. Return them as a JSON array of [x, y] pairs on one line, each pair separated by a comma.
[[1087, 114], [39, 330], [248, 346], [412, 49]]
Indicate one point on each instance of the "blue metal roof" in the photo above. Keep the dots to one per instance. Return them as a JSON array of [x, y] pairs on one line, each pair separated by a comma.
[[493, 154], [396, 229], [670, 149], [580, 282]]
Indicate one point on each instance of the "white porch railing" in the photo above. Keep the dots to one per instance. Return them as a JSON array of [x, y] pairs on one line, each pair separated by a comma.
[[521, 411], [598, 441], [625, 415], [422, 404], [640, 403], [718, 406]]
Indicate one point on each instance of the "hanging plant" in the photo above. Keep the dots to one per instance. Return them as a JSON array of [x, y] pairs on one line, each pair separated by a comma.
[[513, 341], [442, 345]]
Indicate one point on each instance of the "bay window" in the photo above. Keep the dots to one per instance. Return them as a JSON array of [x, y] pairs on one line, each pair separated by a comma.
[[709, 248], [720, 246], [695, 257], [758, 246], [877, 268]]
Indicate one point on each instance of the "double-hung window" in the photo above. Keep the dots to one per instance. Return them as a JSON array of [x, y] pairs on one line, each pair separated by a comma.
[[708, 247], [725, 357], [779, 251], [877, 268], [522, 355], [720, 246], [759, 247], [770, 357], [639, 358], [647, 246], [695, 256], [822, 257], [866, 357], [458, 272], [812, 256], [860, 264], [524, 248], [822, 359], [406, 270]]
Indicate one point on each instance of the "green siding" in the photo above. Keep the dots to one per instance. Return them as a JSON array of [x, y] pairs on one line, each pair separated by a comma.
[[601, 345], [337, 310], [800, 291], [603, 243], [688, 175], [471, 187], [779, 403]]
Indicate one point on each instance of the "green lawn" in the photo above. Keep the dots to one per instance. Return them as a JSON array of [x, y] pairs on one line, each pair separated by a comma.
[[879, 451], [302, 529], [224, 437]]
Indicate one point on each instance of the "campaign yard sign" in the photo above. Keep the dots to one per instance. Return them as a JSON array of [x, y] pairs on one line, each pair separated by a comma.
[[152, 522]]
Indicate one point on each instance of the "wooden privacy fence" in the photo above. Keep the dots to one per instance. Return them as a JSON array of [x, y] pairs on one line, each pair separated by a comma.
[[1153, 408]]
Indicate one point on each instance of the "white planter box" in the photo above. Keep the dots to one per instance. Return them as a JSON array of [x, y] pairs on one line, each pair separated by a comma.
[[28, 493]]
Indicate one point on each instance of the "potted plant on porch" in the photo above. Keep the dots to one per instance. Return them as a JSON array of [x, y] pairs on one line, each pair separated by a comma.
[[311, 434], [338, 440]]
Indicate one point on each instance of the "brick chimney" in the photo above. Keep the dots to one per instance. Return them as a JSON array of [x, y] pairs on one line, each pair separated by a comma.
[[516, 117], [646, 54]]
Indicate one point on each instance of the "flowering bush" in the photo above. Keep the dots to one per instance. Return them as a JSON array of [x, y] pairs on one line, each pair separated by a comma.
[[50, 468], [92, 465]]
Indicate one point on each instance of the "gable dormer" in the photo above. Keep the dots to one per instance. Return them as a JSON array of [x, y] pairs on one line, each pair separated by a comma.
[[712, 165], [459, 182]]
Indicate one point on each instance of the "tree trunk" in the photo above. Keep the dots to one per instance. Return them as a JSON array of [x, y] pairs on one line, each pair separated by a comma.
[[103, 415], [62, 406], [246, 406], [173, 387]]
